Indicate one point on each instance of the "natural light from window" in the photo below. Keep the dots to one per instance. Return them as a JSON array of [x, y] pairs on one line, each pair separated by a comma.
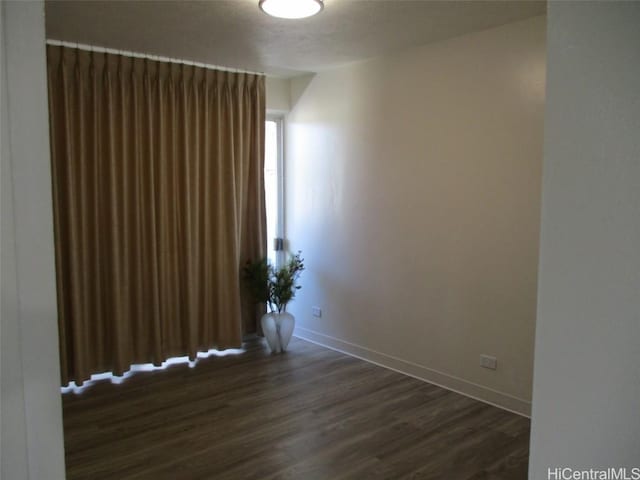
[[271, 185], [147, 367]]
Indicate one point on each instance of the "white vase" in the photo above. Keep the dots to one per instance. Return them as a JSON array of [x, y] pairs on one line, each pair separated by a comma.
[[287, 324], [277, 329]]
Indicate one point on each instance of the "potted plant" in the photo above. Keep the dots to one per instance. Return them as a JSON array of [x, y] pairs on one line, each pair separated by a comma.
[[276, 287]]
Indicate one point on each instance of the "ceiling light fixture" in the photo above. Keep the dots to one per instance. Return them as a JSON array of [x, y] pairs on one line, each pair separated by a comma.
[[291, 8]]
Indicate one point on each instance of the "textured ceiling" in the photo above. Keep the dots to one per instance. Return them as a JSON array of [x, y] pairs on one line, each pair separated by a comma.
[[235, 33]]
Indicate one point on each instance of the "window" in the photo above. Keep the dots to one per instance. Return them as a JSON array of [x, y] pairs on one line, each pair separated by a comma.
[[273, 186]]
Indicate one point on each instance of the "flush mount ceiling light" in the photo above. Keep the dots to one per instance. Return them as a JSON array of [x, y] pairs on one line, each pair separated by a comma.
[[291, 8]]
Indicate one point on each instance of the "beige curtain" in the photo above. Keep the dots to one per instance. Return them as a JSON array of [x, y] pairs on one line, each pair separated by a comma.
[[158, 201]]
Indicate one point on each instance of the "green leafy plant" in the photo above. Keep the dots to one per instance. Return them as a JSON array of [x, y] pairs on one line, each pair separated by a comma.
[[274, 286]]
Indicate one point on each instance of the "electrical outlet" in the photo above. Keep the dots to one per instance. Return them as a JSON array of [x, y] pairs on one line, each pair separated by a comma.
[[316, 312], [489, 362]]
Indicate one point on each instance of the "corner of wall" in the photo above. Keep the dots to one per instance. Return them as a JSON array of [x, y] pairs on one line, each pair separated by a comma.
[[277, 92]]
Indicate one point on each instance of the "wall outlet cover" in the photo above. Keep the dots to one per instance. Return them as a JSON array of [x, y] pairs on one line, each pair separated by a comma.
[[487, 361]]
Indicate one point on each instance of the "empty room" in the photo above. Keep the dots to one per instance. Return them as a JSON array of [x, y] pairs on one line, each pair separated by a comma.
[[320, 239]]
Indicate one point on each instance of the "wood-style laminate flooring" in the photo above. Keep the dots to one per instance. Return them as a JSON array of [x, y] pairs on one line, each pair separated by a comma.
[[311, 413]]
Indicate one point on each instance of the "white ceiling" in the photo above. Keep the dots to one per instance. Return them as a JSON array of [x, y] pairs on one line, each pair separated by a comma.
[[235, 33]]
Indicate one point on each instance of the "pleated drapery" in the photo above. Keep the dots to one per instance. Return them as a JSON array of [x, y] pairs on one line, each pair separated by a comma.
[[158, 201]]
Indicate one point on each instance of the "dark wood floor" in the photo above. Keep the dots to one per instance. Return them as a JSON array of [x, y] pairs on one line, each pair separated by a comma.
[[309, 414]]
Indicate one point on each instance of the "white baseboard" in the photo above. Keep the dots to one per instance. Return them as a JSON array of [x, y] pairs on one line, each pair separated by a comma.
[[455, 384]]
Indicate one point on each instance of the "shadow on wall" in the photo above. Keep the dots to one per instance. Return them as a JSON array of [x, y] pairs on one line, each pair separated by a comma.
[[298, 87]]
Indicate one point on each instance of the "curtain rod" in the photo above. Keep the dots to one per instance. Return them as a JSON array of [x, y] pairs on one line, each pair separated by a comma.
[[93, 48]]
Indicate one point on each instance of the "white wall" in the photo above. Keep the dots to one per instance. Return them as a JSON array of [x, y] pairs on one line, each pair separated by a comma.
[[586, 402], [277, 95], [13, 451], [412, 188], [31, 425]]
